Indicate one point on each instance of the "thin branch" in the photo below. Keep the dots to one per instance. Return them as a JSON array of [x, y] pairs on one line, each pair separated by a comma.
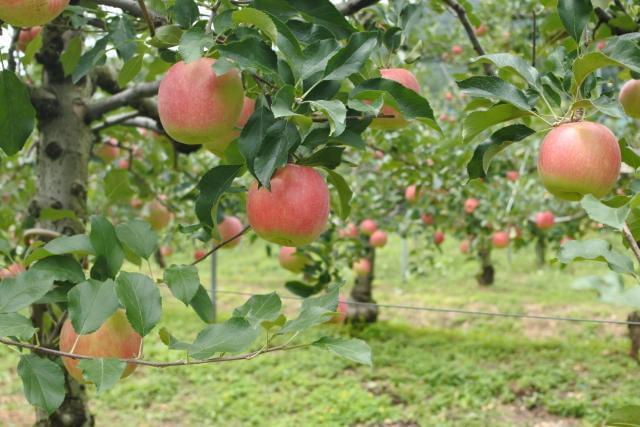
[[147, 17], [125, 98], [215, 248], [133, 8], [631, 240], [350, 7], [50, 234], [133, 361], [534, 36], [12, 49], [115, 120]]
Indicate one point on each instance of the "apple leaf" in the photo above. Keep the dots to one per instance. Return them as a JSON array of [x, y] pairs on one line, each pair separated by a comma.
[[141, 300], [232, 336], [17, 115], [42, 381], [15, 325], [91, 303], [183, 281], [352, 349], [104, 373]]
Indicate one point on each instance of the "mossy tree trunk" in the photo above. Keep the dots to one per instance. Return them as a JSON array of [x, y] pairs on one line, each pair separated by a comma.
[[634, 334], [486, 276]]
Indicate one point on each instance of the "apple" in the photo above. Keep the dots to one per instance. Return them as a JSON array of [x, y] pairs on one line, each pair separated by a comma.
[[123, 164], [195, 105], [136, 203], [378, 154], [108, 151], [630, 98], [26, 35], [545, 220], [230, 226], [406, 79], [470, 205], [411, 194], [601, 45], [349, 232], [457, 49], [342, 309], [378, 239], [220, 143], [368, 226], [500, 239], [579, 158], [158, 215], [362, 267], [427, 219], [166, 251], [465, 246], [198, 254], [114, 339], [29, 13], [291, 260], [438, 237], [444, 117], [11, 270], [448, 96], [295, 211], [565, 239], [480, 30], [513, 175]]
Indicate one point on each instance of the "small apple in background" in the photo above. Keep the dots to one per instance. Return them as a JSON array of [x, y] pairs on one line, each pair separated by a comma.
[[123, 164], [448, 96], [378, 239], [114, 339], [545, 220], [411, 194], [465, 246], [438, 237], [291, 260], [26, 35], [566, 239], [230, 226], [108, 151], [368, 226], [500, 239], [480, 30], [630, 98], [579, 158], [136, 203], [457, 49], [166, 251], [11, 270], [29, 13], [427, 219], [342, 310], [378, 154], [470, 205], [362, 267], [198, 254], [601, 44], [295, 211], [444, 117], [158, 215], [350, 231], [406, 79], [513, 175]]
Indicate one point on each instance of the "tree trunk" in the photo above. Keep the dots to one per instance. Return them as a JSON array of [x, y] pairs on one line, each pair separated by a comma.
[[541, 247], [363, 292], [634, 334], [486, 275], [64, 148]]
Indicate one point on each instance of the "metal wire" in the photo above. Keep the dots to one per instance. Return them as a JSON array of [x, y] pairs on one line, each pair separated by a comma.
[[460, 311]]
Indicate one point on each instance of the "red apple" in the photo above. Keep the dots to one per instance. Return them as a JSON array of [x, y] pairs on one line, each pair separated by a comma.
[[513, 175], [123, 164], [11, 270], [158, 215], [295, 211], [579, 158], [108, 151], [470, 205], [362, 267], [427, 219], [291, 260], [198, 254], [349, 232], [601, 45], [378, 154], [480, 30], [378, 239], [465, 246], [29, 13], [406, 79], [114, 339], [448, 96], [500, 239], [457, 49], [438, 237], [136, 203], [230, 226], [630, 98], [166, 251], [411, 194], [343, 309], [195, 105], [545, 220], [26, 35], [368, 226]]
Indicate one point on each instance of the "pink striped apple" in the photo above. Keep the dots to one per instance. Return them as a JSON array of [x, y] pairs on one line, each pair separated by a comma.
[[500, 239], [230, 226], [368, 226], [406, 79], [378, 239], [362, 267], [545, 220]]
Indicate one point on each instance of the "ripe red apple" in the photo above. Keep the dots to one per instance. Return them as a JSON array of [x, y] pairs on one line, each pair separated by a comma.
[[406, 79], [457, 49], [500, 239], [158, 215], [513, 175], [26, 35], [349, 232], [29, 13], [427, 219], [438, 237], [11, 270], [630, 98], [378, 239], [295, 211], [136, 203], [220, 143], [378, 154], [123, 164], [195, 105], [579, 158], [545, 220], [230, 226], [291, 260], [342, 309], [470, 205], [448, 96], [601, 44], [411, 194], [198, 254], [108, 151], [368, 226], [114, 339], [362, 267], [166, 251], [480, 30], [465, 246], [444, 117]]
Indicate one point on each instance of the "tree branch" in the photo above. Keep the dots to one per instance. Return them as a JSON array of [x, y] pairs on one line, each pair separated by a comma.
[[215, 248], [350, 7], [121, 99], [12, 49], [632, 241], [133, 8], [147, 17]]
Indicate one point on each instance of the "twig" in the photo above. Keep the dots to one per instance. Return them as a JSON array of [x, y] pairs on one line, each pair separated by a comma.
[[12, 49], [350, 7], [133, 8], [632, 241], [40, 232], [215, 248], [114, 120], [147, 17], [533, 38], [121, 99]]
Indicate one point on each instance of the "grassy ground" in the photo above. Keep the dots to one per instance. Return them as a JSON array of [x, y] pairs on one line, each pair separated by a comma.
[[430, 368]]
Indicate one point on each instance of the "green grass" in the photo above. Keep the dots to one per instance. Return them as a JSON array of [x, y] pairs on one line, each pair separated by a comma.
[[429, 368]]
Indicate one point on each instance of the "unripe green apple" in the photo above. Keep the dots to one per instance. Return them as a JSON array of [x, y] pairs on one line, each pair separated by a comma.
[[29, 13]]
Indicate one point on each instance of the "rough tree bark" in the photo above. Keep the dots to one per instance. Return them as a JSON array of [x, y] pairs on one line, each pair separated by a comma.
[[363, 292], [64, 147], [486, 275], [634, 334]]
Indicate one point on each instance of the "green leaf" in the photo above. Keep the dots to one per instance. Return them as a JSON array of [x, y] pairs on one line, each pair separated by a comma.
[[316, 56], [130, 70], [117, 186], [251, 53], [599, 212], [313, 311], [232, 336], [123, 35], [172, 342], [90, 59], [300, 289], [253, 134], [352, 349], [23, 290], [259, 19], [629, 156], [104, 373], [33, 47], [627, 416], [514, 64], [260, 308], [183, 281], [283, 102], [71, 55], [574, 15], [91, 303], [619, 52], [17, 115], [212, 186], [344, 193], [595, 250], [78, 244], [186, 12], [60, 268], [141, 300], [193, 43], [42, 382], [335, 111], [202, 305], [51, 214], [328, 157], [15, 325], [273, 151], [166, 36], [351, 58], [478, 121], [495, 87], [109, 254], [408, 102], [138, 236], [485, 152]]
